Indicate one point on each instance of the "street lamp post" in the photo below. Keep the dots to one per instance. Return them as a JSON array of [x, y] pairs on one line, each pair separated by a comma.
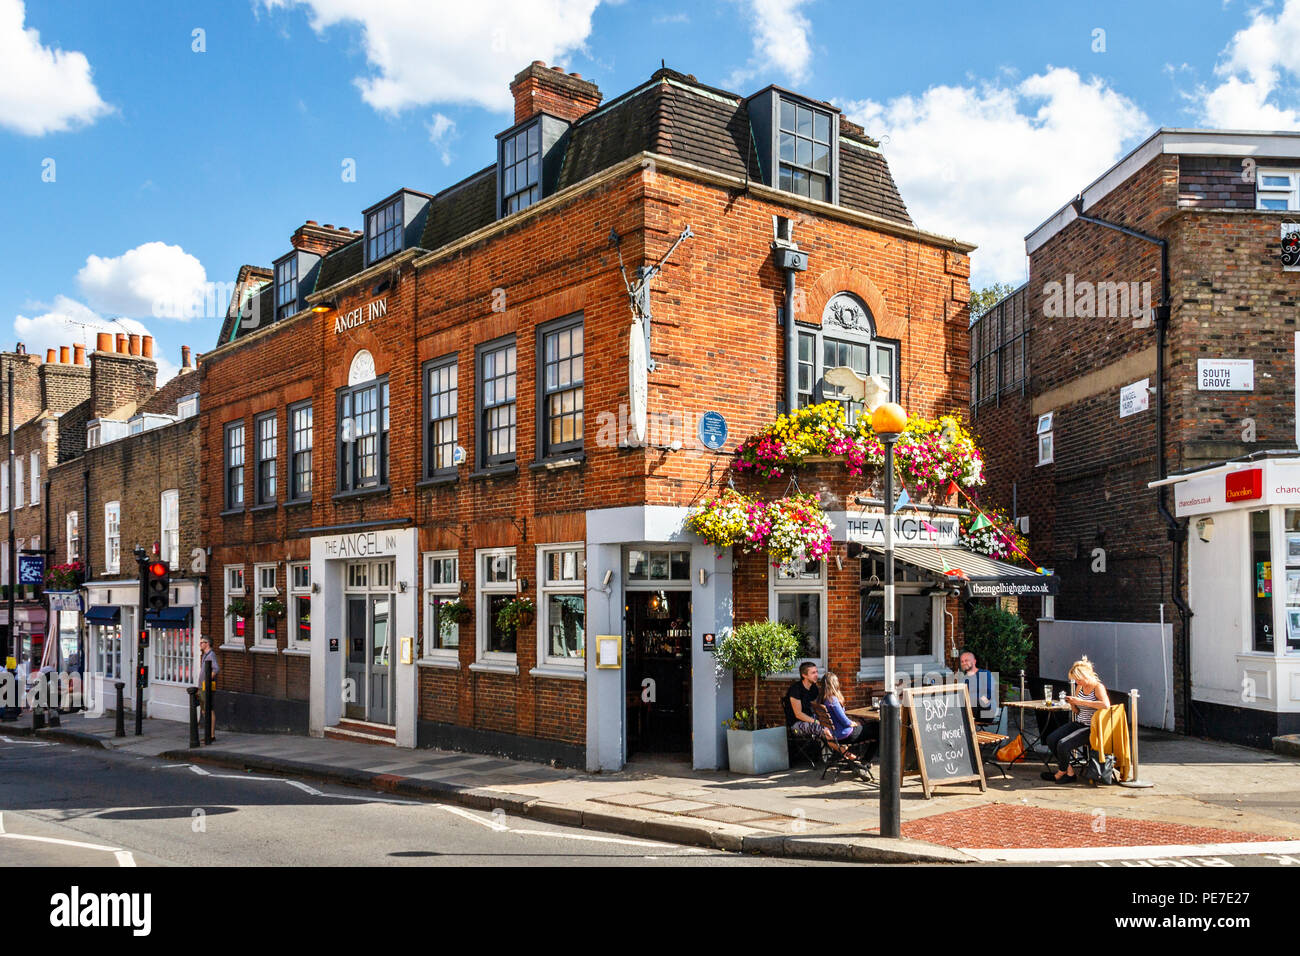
[[888, 422]]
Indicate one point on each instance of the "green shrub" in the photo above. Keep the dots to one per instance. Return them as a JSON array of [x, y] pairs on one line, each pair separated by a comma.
[[756, 650], [999, 639]]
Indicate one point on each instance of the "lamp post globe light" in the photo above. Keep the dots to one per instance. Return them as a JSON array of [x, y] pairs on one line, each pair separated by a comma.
[[888, 422]]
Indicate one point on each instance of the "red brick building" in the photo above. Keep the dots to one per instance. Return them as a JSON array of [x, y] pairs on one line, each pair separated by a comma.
[[447, 406], [1064, 396]]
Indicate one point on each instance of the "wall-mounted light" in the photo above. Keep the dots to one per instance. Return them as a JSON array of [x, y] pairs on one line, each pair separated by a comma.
[[401, 586], [464, 586], [703, 577], [839, 564], [523, 585], [605, 581], [1205, 529], [324, 307], [315, 588]]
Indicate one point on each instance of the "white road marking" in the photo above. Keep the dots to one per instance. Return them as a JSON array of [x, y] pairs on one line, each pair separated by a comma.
[[30, 743], [124, 858], [1092, 853]]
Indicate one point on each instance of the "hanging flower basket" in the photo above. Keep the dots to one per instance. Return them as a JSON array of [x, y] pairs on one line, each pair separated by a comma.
[[238, 607], [788, 529], [996, 536], [928, 455], [65, 577], [271, 608], [515, 614]]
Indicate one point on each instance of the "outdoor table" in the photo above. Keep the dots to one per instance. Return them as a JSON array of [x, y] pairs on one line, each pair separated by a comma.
[[866, 713], [1044, 711]]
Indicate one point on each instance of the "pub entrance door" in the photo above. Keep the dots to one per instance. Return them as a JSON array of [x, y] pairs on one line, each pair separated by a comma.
[[658, 629], [368, 692]]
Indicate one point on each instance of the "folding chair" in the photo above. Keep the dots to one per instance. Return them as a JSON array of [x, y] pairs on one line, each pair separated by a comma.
[[806, 748], [835, 753]]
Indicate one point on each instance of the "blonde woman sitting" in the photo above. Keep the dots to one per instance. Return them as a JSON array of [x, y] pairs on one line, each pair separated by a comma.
[[1090, 696], [847, 731]]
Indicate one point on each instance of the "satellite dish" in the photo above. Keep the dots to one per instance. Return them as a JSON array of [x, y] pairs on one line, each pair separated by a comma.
[[871, 390], [637, 388]]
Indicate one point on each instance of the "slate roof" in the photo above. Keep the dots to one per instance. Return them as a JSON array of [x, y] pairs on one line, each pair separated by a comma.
[[672, 114]]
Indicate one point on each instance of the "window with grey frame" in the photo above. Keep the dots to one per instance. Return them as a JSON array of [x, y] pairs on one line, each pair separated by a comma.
[[521, 167], [286, 287], [560, 385], [363, 436], [234, 465], [384, 231], [805, 150], [441, 392], [265, 429], [999, 350], [820, 350], [300, 445], [497, 405]]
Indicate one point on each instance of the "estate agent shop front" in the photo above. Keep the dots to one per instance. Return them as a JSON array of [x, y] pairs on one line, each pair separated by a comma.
[[1243, 584]]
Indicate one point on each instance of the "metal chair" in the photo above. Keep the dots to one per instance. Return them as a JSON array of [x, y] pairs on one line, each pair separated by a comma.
[[836, 753]]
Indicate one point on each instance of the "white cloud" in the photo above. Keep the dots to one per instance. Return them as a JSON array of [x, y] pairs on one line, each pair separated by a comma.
[[1259, 64], [781, 41], [424, 52], [442, 130], [989, 163], [67, 322], [42, 89], [151, 279]]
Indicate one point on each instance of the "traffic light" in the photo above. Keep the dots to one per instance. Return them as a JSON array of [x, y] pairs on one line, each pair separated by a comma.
[[142, 675], [157, 587]]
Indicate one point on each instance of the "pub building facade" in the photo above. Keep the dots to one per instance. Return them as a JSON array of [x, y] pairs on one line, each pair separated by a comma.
[[456, 405], [1067, 398]]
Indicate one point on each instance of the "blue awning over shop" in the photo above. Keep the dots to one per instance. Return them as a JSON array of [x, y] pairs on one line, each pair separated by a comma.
[[169, 617], [104, 614]]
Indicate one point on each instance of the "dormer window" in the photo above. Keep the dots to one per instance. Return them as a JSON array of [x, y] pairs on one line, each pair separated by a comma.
[[286, 287], [805, 151], [796, 143], [521, 163], [384, 227]]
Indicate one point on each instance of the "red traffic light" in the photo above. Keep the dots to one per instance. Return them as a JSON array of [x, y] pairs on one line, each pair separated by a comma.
[[157, 569]]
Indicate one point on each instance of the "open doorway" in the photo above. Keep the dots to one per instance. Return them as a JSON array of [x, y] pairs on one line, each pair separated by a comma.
[[658, 629]]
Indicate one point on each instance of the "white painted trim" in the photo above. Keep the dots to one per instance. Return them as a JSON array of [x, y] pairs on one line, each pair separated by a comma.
[[821, 587], [296, 651], [494, 667], [576, 672], [232, 647], [449, 664], [1092, 853], [578, 587], [264, 650]]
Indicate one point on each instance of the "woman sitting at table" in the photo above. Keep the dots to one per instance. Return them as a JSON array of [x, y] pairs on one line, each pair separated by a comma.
[[847, 731], [1090, 697]]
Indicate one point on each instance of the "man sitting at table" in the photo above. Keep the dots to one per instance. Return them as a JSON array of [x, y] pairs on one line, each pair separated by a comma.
[[983, 686], [798, 704]]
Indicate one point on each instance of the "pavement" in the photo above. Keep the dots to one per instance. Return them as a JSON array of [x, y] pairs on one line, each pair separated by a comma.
[[1205, 799]]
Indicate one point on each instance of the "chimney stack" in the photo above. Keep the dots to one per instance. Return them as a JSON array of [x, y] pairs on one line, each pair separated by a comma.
[[539, 90], [319, 240]]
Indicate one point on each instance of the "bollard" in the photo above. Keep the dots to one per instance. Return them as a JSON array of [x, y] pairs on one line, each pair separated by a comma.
[[1134, 780], [194, 716], [1021, 716], [207, 702], [120, 730]]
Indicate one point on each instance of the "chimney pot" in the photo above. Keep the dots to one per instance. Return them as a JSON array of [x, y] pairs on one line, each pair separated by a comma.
[[64, 354], [185, 356], [576, 76], [79, 355], [104, 342], [135, 344], [146, 346], [121, 343], [50, 356], [329, 225], [22, 349], [311, 222]]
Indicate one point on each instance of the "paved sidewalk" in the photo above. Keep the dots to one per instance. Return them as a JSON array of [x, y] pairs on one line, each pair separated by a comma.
[[1209, 797]]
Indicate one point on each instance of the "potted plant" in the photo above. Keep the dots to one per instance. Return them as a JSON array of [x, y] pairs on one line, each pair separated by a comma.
[[238, 607], [64, 577], [452, 614], [515, 613], [271, 608], [999, 640], [756, 650]]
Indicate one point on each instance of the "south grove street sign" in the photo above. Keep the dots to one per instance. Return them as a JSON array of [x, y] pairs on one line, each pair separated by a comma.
[[910, 530]]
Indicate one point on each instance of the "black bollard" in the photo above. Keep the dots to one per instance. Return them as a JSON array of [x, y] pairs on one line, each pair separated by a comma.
[[194, 716], [207, 702], [120, 730], [891, 771]]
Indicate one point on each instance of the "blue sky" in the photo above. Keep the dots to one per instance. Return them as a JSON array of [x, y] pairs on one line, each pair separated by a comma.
[[135, 168]]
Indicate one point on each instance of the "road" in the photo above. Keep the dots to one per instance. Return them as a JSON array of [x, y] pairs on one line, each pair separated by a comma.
[[64, 805]]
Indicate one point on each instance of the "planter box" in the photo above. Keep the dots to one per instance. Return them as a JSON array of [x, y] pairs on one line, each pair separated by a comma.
[[757, 751]]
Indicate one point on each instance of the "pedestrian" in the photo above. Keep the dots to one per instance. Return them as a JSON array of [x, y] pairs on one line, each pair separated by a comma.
[[206, 656]]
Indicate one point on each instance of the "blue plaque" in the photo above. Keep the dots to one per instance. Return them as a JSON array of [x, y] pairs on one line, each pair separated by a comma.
[[713, 430]]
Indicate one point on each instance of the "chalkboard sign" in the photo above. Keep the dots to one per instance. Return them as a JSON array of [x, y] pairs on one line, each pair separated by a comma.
[[943, 734]]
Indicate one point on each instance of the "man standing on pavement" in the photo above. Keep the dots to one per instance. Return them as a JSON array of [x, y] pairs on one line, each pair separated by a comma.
[[206, 656]]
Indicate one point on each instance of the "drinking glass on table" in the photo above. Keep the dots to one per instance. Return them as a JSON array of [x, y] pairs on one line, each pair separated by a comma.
[[1047, 694]]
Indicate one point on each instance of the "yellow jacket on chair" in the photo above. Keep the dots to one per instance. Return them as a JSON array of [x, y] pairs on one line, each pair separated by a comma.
[[1110, 736]]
